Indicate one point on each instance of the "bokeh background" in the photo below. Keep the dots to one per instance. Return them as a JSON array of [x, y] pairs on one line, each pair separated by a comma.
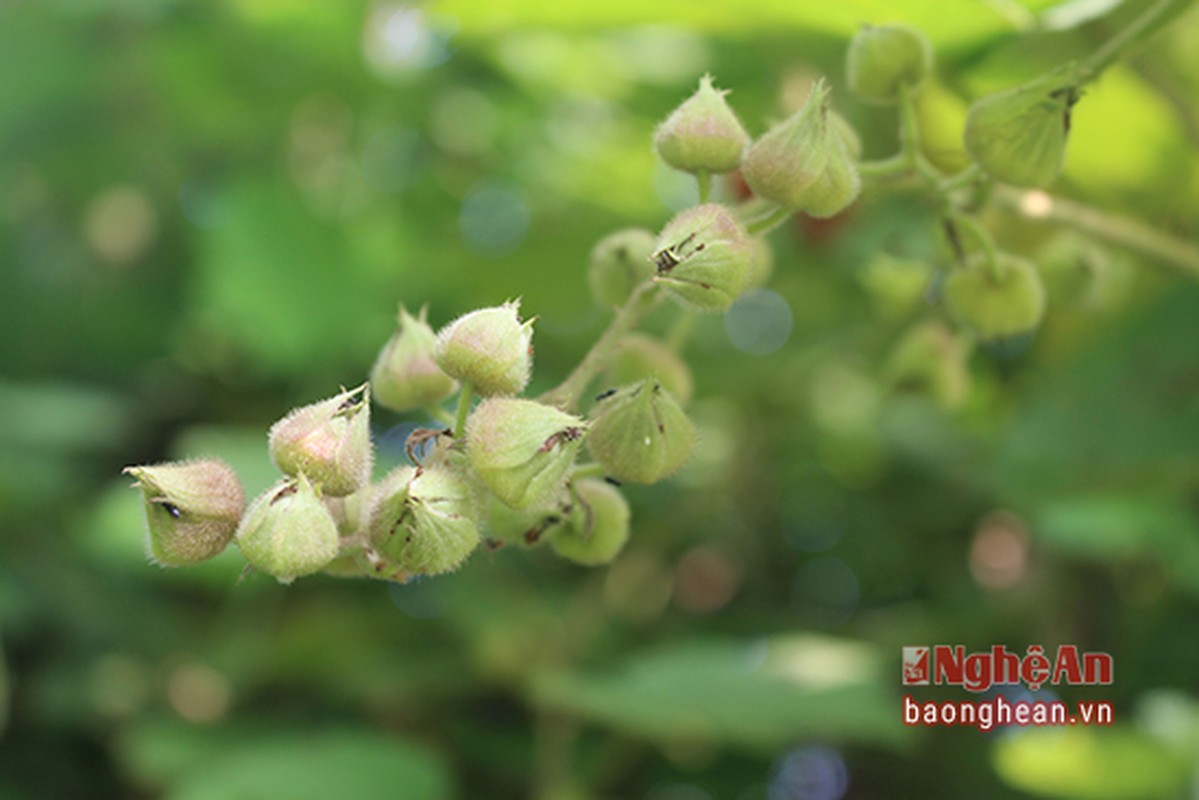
[[208, 214]]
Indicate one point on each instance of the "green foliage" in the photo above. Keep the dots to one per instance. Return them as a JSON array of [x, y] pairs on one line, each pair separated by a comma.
[[210, 211]]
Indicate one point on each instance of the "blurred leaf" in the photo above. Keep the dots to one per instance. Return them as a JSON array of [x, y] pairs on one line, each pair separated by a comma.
[[1088, 763], [59, 416], [281, 281], [256, 762], [760, 695]]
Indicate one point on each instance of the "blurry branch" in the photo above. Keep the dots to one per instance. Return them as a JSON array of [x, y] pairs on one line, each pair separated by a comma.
[[1114, 228]]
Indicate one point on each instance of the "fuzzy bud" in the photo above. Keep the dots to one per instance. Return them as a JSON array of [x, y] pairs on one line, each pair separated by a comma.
[[1019, 135], [490, 348], [703, 134], [405, 376], [805, 161], [329, 441], [423, 522], [882, 58], [639, 356], [931, 359], [640, 433], [703, 257], [192, 509], [996, 304], [597, 526], [288, 532], [522, 450], [1079, 272], [619, 263]]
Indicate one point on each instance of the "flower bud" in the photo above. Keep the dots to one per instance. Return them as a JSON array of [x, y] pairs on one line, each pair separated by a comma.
[[703, 134], [288, 532], [490, 348], [515, 526], [423, 522], [597, 526], [329, 441], [1079, 272], [882, 58], [703, 257], [996, 304], [619, 263], [405, 376], [931, 359], [192, 509], [805, 161], [522, 450], [639, 356], [1019, 135], [640, 433]]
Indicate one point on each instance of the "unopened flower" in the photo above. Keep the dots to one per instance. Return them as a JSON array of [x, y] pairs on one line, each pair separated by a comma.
[[423, 521], [329, 442], [640, 434], [703, 134], [639, 356], [1019, 135], [405, 375], [882, 58], [703, 257], [595, 527], [619, 263], [192, 509], [999, 303], [521, 449], [805, 162], [489, 348], [288, 532]]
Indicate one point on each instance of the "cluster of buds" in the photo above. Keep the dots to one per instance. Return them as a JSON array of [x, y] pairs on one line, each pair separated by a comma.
[[508, 470]]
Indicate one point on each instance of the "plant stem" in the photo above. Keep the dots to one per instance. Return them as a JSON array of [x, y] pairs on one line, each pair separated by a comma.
[[704, 180], [1119, 230], [680, 331], [592, 470], [894, 167], [566, 394], [769, 222], [960, 181], [440, 414], [1101, 59], [468, 391], [981, 237]]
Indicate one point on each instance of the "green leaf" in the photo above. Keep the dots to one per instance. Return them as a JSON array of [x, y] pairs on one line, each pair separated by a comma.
[[1088, 763], [756, 695]]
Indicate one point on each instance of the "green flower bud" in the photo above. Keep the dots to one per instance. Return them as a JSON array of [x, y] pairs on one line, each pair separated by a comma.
[[522, 450], [597, 527], [996, 304], [931, 359], [1079, 272], [639, 356], [640, 433], [619, 263], [703, 257], [805, 161], [703, 134], [506, 525], [405, 376], [490, 348], [848, 133], [288, 532], [423, 522], [882, 58], [329, 441], [1019, 135], [192, 509]]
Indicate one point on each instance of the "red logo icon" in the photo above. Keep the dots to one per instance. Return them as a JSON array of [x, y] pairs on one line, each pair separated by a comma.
[[916, 666]]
